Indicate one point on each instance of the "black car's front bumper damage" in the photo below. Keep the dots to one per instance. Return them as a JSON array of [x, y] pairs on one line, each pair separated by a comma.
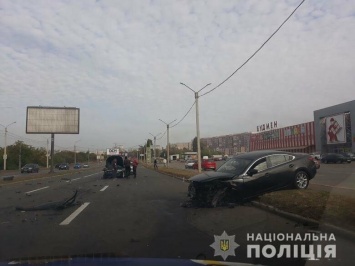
[[211, 194]]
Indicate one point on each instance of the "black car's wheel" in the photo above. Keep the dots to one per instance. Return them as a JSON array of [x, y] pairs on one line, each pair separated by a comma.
[[325, 161], [301, 180]]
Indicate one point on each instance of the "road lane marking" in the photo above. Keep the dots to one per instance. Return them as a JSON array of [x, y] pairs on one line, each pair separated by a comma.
[[29, 192], [333, 186], [104, 188], [92, 174], [82, 177], [72, 216]]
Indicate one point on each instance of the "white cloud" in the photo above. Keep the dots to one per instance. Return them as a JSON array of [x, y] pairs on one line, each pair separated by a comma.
[[121, 62]]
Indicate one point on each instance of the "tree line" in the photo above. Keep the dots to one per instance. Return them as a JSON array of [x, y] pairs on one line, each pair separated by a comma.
[[20, 151]]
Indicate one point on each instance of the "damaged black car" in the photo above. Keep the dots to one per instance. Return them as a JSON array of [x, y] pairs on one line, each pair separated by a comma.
[[252, 174], [114, 167]]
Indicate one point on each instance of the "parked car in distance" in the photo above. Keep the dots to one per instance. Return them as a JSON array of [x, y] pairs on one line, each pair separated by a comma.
[[85, 165], [208, 164], [189, 164], [63, 166], [251, 174], [335, 158], [349, 155], [30, 168], [77, 166]]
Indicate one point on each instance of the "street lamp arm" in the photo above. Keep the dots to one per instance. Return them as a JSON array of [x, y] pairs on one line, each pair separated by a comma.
[[205, 87], [187, 87], [163, 121], [8, 124]]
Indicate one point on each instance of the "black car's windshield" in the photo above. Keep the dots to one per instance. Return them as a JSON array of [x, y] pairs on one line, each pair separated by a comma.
[[235, 166]]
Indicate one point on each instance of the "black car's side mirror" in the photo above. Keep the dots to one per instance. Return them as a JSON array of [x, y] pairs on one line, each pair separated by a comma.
[[252, 172]]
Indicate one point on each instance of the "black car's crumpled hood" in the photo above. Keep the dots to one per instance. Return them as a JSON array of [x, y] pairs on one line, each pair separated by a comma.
[[210, 176]]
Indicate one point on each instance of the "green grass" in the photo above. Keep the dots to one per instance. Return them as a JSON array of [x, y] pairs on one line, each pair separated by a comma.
[[321, 206]]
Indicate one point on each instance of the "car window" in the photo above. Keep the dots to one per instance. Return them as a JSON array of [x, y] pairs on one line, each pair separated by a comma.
[[235, 166], [277, 159], [260, 165]]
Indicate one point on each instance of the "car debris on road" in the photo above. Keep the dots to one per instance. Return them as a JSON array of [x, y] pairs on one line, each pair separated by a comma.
[[59, 205]]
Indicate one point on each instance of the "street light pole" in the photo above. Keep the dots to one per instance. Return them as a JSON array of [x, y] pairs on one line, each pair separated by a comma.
[[47, 154], [167, 141], [197, 124], [19, 157], [155, 139], [5, 154]]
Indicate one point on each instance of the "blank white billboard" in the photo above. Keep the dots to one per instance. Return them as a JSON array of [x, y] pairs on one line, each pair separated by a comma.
[[56, 120]]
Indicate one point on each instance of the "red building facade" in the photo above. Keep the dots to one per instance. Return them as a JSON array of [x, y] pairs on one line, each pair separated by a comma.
[[297, 138]]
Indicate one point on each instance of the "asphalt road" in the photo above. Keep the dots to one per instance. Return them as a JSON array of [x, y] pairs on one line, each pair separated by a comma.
[[336, 178], [138, 217]]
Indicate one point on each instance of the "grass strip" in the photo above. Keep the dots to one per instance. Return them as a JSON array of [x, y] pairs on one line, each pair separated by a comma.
[[322, 206]]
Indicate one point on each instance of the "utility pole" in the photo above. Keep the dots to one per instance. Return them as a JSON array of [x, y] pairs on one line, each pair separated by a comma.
[[5, 154], [52, 154], [155, 139], [197, 124], [167, 141], [47, 154], [19, 157]]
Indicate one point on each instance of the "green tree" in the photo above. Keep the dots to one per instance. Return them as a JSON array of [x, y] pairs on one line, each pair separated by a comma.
[[26, 153], [194, 145], [149, 143]]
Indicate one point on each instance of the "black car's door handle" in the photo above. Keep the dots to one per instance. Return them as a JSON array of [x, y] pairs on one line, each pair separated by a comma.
[[267, 175], [291, 165]]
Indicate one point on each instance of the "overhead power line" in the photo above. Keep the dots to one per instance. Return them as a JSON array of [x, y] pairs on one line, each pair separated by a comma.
[[162, 135], [268, 39], [184, 115]]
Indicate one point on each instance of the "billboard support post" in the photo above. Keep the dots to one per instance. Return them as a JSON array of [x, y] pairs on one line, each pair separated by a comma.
[[52, 153], [52, 120]]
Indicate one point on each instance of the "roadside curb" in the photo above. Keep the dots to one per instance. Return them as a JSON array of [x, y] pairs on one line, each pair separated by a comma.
[[350, 235]]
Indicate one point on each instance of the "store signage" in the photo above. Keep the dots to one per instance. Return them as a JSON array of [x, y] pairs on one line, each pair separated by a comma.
[[267, 126]]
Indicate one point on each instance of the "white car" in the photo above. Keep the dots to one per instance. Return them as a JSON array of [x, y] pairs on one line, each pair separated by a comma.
[[189, 164]]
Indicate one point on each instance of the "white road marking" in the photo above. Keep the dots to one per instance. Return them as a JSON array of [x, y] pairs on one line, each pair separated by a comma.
[[72, 216], [104, 188], [92, 174], [81, 177], [28, 192]]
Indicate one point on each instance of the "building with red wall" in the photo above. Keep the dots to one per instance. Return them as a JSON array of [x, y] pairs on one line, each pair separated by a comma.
[[296, 138]]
